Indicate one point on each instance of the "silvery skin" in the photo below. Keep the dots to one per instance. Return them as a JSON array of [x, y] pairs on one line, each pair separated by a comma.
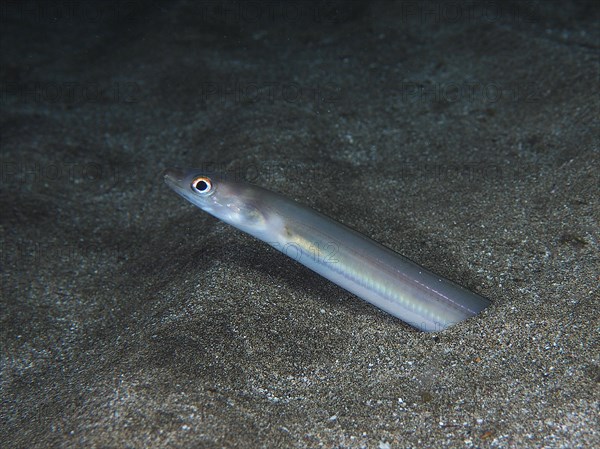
[[346, 257]]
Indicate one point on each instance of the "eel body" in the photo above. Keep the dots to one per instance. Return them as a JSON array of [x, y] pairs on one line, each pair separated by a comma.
[[346, 257]]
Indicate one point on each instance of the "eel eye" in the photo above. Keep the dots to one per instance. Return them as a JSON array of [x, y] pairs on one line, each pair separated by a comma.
[[202, 185]]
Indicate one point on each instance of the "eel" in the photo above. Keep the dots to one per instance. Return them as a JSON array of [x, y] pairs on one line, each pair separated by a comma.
[[346, 257]]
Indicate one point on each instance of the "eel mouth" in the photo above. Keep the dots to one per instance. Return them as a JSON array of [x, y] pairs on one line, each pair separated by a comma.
[[174, 177]]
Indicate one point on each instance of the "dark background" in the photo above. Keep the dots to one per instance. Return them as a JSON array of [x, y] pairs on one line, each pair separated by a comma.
[[463, 135]]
